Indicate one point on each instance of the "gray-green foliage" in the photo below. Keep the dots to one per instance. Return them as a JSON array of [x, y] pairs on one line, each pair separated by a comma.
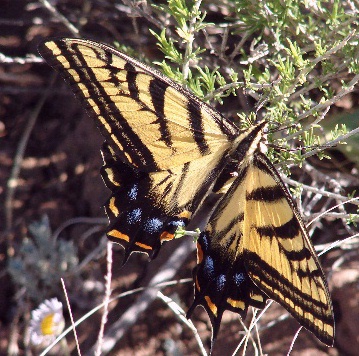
[[298, 51], [41, 260]]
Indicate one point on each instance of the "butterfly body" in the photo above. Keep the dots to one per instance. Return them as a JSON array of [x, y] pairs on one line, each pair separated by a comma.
[[164, 152]]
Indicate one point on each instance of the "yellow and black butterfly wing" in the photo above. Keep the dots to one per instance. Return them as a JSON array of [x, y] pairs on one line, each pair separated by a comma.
[[145, 209], [164, 147], [278, 253], [137, 221], [256, 246], [221, 281], [150, 121], [220, 278]]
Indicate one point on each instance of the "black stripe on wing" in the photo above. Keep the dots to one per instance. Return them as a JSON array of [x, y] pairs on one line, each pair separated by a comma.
[[196, 122], [108, 109], [157, 90], [310, 312]]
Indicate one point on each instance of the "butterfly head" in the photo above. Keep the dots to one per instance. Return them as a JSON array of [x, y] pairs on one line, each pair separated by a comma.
[[263, 141], [252, 140]]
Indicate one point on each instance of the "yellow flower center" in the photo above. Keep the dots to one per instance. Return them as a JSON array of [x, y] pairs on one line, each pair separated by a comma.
[[47, 324]]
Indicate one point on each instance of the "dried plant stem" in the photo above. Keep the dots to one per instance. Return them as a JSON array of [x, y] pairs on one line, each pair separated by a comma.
[[71, 317], [106, 301], [75, 31], [19, 156]]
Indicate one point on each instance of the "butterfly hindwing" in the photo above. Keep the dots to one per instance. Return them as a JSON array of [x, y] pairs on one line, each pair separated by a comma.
[[222, 283], [137, 222], [145, 209]]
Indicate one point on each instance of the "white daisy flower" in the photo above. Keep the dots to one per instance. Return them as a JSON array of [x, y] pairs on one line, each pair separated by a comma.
[[47, 322]]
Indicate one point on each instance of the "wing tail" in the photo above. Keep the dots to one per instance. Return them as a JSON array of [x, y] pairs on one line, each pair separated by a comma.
[[221, 284]]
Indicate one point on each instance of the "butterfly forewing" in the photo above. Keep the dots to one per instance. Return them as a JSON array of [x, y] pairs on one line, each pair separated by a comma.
[[149, 120]]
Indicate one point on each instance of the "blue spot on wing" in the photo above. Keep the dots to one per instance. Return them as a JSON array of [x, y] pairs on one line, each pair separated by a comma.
[[221, 281], [176, 223], [209, 267], [134, 216], [204, 241], [132, 194], [239, 278], [153, 225]]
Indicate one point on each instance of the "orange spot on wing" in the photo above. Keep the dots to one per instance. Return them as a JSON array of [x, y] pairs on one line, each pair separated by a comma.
[[113, 207], [145, 247], [166, 236], [118, 235], [198, 287], [199, 253], [211, 305]]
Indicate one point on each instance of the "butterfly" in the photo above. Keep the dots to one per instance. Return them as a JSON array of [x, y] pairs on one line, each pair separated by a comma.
[[164, 151]]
